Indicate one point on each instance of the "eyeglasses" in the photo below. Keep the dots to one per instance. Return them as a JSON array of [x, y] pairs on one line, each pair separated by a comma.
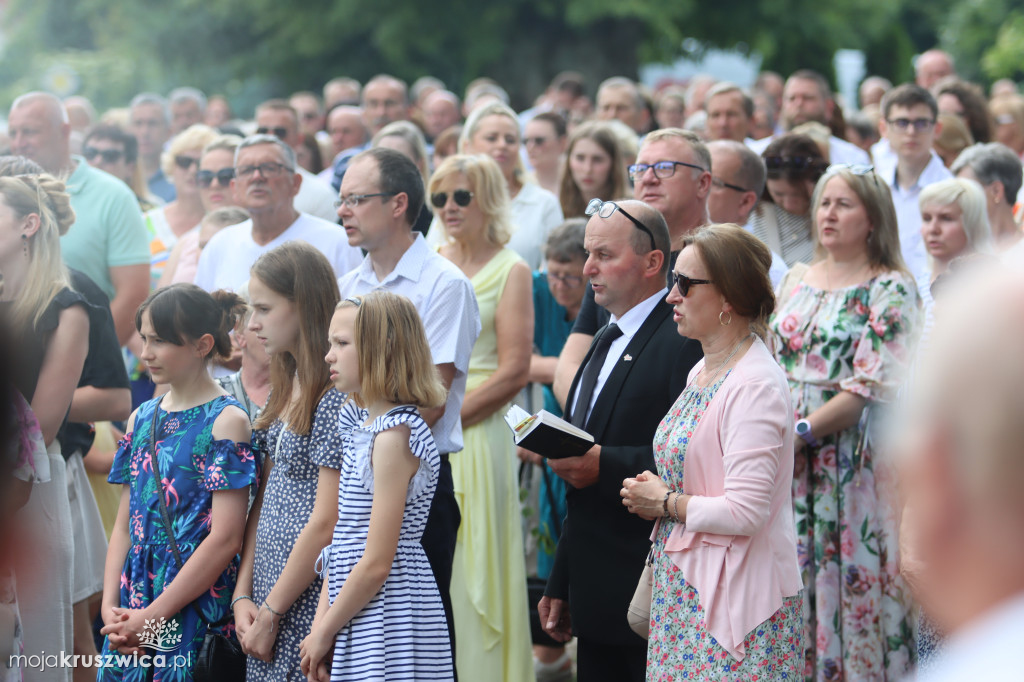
[[267, 170], [570, 281], [792, 162], [205, 178], [527, 141], [918, 124], [186, 162], [719, 182], [462, 197], [108, 155], [280, 132], [683, 283], [605, 209], [352, 200], [662, 169]]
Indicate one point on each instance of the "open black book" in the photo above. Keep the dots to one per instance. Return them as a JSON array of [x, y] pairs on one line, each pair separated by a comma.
[[547, 435]]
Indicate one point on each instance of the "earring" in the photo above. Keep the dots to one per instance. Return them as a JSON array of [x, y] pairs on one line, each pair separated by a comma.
[[724, 323], [24, 244]]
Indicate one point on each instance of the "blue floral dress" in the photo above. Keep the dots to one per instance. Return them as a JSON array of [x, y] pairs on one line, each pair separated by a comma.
[[679, 646], [194, 466]]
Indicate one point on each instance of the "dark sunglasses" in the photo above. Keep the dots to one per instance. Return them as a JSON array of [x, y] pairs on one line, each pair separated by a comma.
[[791, 162], [108, 155], [462, 197], [684, 283], [279, 132], [224, 176], [186, 162]]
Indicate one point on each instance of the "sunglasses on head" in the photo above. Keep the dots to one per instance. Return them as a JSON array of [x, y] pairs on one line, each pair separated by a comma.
[[224, 176], [462, 197], [186, 162], [790, 162], [279, 132], [108, 155], [684, 283]]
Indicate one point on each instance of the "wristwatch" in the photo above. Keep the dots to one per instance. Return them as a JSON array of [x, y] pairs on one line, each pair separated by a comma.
[[803, 429]]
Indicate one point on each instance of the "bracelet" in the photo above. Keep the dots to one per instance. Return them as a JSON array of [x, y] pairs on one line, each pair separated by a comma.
[[269, 608], [240, 598], [664, 503], [675, 507]]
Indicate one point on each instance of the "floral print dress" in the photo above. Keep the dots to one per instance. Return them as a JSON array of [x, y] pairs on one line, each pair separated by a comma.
[[194, 466], [679, 646], [857, 623]]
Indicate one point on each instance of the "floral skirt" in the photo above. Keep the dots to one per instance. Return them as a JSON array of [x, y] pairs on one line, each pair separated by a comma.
[[680, 647]]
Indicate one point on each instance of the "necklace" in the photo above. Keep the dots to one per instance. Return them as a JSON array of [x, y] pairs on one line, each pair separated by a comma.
[[724, 363]]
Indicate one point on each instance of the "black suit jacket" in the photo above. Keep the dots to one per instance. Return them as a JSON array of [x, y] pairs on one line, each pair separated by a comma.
[[602, 549]]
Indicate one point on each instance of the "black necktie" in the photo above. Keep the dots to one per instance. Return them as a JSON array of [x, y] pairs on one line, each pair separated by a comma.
[[589, 379]]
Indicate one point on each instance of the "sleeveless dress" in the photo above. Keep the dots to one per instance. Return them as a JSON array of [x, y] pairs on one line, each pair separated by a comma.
[[401, 634], [287, 504], [488, 589], [193, 466], [680, 647], [857, 607]]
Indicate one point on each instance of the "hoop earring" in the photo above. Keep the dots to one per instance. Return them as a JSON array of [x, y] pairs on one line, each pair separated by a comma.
[[724, 323]]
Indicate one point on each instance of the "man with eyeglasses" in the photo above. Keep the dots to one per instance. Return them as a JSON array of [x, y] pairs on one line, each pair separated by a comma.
[[672, 173], [381, 195], [630, 377], [277, 117], [265, 184], [909, 124]]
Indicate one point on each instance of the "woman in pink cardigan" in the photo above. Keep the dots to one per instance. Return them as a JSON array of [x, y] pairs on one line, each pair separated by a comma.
[[726, 602]]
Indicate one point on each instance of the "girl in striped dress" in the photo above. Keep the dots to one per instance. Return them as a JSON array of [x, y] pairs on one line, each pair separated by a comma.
[[380, 609]]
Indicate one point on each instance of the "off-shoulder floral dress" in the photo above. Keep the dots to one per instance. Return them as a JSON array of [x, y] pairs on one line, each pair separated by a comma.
[[857, 623], [193, 466]]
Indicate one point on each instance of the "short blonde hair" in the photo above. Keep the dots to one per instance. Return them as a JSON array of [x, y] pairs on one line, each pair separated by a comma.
[[489, 191], [395, 364], [193, 137], [478, 115], [970, 198]]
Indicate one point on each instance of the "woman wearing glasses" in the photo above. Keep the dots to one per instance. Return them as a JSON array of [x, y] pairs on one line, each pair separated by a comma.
[[726, 597], [782, 220], [488, 586], [844, 331], [593, 167]]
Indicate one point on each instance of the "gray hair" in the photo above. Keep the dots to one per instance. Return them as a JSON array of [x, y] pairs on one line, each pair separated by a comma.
[[152, 98], [623, 83], [565, 242], [992, 162], [188, 94], [253, 140]]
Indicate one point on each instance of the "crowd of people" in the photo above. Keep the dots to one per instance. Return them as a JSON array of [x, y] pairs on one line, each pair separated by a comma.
[[257, 370]]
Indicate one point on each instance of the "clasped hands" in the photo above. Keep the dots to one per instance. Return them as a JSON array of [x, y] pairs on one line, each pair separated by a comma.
[[256, 630], [644, 495]]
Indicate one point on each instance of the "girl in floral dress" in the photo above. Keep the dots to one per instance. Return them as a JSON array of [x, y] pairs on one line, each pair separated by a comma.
[[844, 331], [153, 605]]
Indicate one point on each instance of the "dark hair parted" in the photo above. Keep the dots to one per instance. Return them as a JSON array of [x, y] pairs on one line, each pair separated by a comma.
[[182, 313], [397, 174], [738, 263], [299, 272]]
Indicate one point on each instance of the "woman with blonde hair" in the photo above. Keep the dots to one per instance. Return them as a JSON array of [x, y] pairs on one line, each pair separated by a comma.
[[488, 586], [493, 129], [593, 167], [844, 331]]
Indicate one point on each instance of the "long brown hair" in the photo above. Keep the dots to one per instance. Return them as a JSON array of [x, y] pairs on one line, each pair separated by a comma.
[[303, 275], [573, 202]]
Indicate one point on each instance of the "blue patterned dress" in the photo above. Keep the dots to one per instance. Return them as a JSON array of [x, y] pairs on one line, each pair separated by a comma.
[[402, 633], [194, 466]]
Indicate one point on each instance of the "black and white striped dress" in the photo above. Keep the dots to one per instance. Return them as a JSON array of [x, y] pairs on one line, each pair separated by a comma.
[[401, 634]]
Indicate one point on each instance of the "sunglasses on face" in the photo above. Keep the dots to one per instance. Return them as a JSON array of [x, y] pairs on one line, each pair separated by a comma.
[[279, 132], [186, 162], [462, 197], [108, 155], [205, 178], [683, 283]]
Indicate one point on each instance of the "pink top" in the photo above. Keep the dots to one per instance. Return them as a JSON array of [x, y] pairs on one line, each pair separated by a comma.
[[738, 546]]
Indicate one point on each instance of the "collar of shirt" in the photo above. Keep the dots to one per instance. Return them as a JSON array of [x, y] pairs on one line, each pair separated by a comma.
[[633, 318], [409, 266], [933, 172]]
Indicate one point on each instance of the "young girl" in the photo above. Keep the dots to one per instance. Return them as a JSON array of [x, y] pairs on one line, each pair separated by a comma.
[[202, 466], [292, 291], [380, 609]]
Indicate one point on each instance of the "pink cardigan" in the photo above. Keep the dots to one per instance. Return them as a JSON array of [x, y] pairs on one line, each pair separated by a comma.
[[738, 546]]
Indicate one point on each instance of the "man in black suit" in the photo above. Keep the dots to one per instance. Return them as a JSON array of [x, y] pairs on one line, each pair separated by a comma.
[[634, 371]]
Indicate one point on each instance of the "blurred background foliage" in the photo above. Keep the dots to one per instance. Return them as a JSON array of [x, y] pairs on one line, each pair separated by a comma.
[[110, 50]]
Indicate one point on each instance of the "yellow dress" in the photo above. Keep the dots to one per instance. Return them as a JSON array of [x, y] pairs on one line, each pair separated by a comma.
[[488, 588]]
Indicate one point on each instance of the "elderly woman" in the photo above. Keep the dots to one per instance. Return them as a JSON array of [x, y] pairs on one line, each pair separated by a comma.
[[783, 219], [844, 329], [998, 170], [493, 129], [166, 224], [488, 586], [726, 599], [594, 167]]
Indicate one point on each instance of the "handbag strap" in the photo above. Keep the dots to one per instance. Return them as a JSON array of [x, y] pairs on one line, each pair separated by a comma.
[[164, 516]]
